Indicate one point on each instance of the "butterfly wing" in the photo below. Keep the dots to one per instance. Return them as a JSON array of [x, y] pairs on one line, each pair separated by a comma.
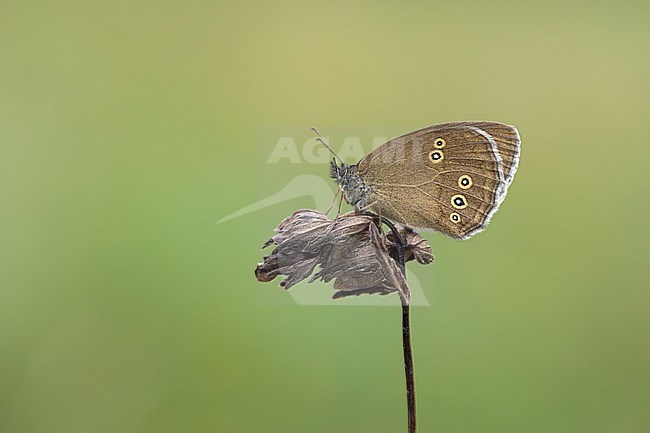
[[507, 141], [449, 177]]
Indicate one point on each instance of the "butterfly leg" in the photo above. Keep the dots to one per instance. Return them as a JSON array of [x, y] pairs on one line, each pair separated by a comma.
[[365, 208], [338, 214], [338, 191], [380, 224]]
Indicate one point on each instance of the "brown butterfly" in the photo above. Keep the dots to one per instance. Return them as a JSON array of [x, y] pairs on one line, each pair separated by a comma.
[[449, 177]]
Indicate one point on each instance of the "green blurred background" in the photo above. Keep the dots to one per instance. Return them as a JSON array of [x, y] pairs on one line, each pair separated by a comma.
[[127, 128]]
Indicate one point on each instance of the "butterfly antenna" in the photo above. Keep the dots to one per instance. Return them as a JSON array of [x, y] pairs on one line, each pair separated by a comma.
[[321, 140]]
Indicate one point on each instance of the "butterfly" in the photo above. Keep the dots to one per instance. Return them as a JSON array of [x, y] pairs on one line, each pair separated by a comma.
[[449, 177]]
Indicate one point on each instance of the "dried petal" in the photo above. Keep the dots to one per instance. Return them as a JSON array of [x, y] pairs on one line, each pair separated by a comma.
[[416, 246]]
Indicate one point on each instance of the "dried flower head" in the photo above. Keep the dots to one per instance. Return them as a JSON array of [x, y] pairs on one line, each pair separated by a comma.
[[350, 250]]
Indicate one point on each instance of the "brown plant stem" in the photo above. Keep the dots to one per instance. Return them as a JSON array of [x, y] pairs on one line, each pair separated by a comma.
[[408, 367], [406, 333]]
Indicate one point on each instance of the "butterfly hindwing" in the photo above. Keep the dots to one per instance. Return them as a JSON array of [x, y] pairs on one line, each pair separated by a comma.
[[449, 177]]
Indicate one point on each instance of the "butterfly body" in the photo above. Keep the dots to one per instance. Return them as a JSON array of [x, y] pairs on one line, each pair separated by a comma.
[[449, 177]]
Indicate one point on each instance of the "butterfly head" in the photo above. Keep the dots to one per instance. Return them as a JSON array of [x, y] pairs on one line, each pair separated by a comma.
[[350, 181]]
